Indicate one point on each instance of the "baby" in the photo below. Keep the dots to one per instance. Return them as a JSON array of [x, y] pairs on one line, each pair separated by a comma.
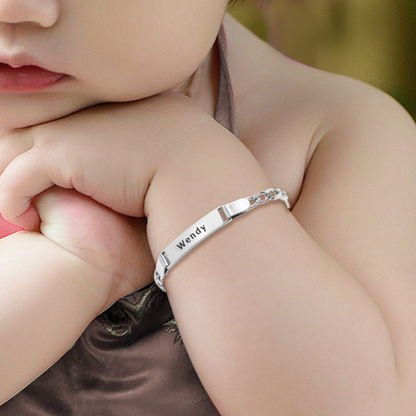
[[119, 131]]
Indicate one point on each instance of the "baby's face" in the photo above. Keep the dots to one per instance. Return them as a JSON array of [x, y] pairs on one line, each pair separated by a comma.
[[97, 51]]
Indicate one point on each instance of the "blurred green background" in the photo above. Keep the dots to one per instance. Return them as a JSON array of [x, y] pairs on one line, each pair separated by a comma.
[[371, 40]]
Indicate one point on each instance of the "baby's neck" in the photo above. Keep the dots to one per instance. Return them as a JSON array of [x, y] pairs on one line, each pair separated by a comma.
[[202, 86]]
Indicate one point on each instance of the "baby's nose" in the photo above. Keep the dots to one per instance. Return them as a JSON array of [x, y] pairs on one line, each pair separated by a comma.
[[42, 12]]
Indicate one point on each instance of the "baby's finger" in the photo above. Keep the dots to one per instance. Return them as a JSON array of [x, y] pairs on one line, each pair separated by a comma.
[[12, 145], [25, 177]]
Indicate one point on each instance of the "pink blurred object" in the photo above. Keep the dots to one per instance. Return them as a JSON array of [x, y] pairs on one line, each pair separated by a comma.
[[6, 228]]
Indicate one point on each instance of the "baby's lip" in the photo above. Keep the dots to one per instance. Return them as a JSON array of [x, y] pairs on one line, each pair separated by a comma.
[[19, 59], [20, 73], [16, 60], [27, 78]]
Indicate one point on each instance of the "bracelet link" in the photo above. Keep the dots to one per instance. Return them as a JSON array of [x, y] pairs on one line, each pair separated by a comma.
[[268, 195], [279, 194], [260, 198]]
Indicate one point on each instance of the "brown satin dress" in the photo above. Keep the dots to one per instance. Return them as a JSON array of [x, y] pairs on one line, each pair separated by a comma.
[[130, 360]]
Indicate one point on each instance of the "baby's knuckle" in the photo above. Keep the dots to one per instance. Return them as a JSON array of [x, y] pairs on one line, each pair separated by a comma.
[[7, 183], [43, 138]]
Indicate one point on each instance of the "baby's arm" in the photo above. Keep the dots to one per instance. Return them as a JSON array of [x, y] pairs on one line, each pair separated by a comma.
[[47, 297], [53, 284], [275, 321]]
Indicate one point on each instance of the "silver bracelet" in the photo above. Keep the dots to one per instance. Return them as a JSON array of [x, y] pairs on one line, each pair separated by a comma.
[[208, 225]]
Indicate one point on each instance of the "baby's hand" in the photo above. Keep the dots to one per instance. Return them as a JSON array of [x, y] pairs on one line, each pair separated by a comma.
[[114, 244], [109, 153]]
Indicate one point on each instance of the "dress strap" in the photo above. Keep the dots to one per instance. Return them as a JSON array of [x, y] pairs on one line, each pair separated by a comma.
[[225, 111]]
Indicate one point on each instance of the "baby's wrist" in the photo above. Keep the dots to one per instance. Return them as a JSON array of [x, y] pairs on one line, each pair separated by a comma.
[[188, 188]]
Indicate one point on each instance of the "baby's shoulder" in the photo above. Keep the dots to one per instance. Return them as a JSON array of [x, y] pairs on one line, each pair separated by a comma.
[[266, 81], [279, 91], [325, 104]]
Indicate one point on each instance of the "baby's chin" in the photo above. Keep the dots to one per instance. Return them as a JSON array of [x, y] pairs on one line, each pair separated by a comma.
[[19, 112]]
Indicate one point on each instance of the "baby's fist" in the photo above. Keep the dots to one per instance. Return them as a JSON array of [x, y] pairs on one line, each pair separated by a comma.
[[110, 242]]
